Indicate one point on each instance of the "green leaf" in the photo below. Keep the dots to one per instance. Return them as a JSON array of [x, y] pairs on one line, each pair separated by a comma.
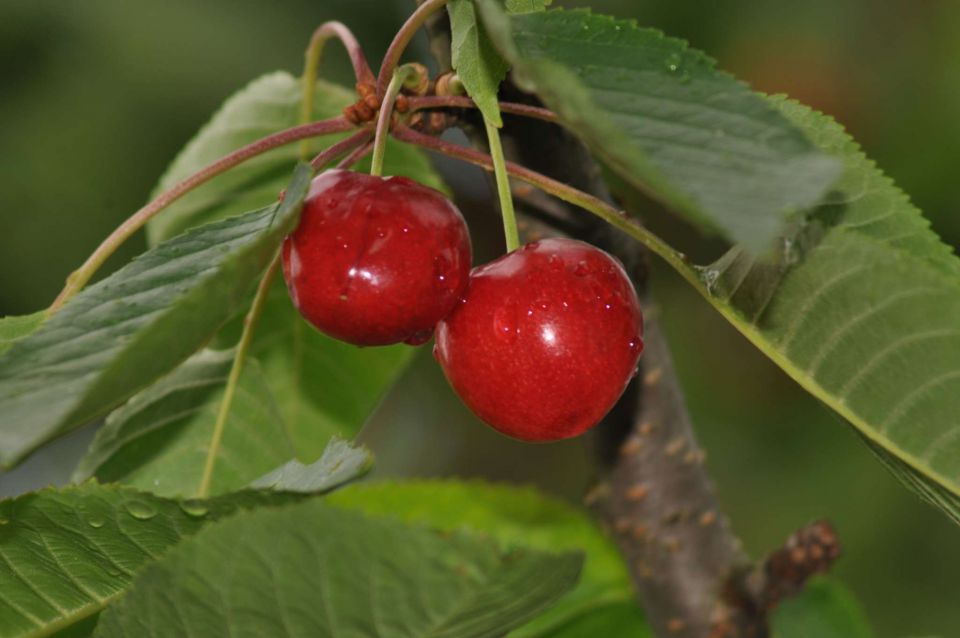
[[666, 120], [861, 309], [314, 570], [618, 620], [527, 6], [14, 328], [68, 553], [478, 65], [322, 386], [339, 464], [515, 517], [825, 609], [267, 105], [119, 335], [160, 439]]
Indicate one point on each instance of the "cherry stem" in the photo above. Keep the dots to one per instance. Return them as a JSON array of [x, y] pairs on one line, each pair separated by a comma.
[[400, 77], [462, 102], [598, 207], [249, 326], [336, 150], [510, 232], [400, 41], [312, 57], [79, 278]]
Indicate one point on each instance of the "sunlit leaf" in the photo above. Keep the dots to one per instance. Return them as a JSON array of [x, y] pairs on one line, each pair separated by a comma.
[[515, 516]]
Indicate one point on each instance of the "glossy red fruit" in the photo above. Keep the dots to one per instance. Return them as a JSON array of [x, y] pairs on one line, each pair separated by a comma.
[[544, 341], [376, 260]]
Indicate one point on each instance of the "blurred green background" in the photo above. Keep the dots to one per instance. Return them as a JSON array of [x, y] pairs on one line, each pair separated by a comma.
[[97, 96]]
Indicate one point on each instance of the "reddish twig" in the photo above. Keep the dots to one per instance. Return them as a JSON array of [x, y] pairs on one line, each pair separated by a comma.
[[400, 41], [598, 207], [458, 101], [327, 30], [356, 155], [79, 278], [336, 150]]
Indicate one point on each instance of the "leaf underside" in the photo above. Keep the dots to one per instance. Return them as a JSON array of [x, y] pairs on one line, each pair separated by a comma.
[[662, 117], [14, 328], [313, 570], [861, 307]]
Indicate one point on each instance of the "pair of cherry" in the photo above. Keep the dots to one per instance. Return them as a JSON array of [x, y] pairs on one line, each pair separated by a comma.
[[539, 343]]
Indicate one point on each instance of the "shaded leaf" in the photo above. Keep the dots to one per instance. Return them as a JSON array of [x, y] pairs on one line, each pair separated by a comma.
[[861, 308], [662, 117], [268, 104], [68, 553], [120, 334], [478, 65], [13, 328], [339, 464], [315, 570], [825, 609], [513, 516], [160, 439]]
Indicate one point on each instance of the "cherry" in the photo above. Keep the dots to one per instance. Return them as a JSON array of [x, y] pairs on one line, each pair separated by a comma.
[[376, 260], [544, 341]]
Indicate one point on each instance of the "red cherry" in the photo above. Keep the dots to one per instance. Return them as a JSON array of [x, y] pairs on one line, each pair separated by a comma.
[[376, 260], [544, 341]]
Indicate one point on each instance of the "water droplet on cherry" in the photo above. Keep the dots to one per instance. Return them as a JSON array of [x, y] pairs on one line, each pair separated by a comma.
[[505, 322]]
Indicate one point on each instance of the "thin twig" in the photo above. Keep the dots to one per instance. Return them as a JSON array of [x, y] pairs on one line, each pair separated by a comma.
[[79, 278], [312, 56], [462, 102], [356, 155], [598, 207], [336, 150]]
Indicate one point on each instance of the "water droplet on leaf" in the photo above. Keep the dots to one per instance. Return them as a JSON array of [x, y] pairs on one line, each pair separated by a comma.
[[140, 510], [194, 507]]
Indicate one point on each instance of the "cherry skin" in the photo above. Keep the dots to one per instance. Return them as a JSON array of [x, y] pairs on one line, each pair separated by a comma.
[[545, 340], [376, 260]]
